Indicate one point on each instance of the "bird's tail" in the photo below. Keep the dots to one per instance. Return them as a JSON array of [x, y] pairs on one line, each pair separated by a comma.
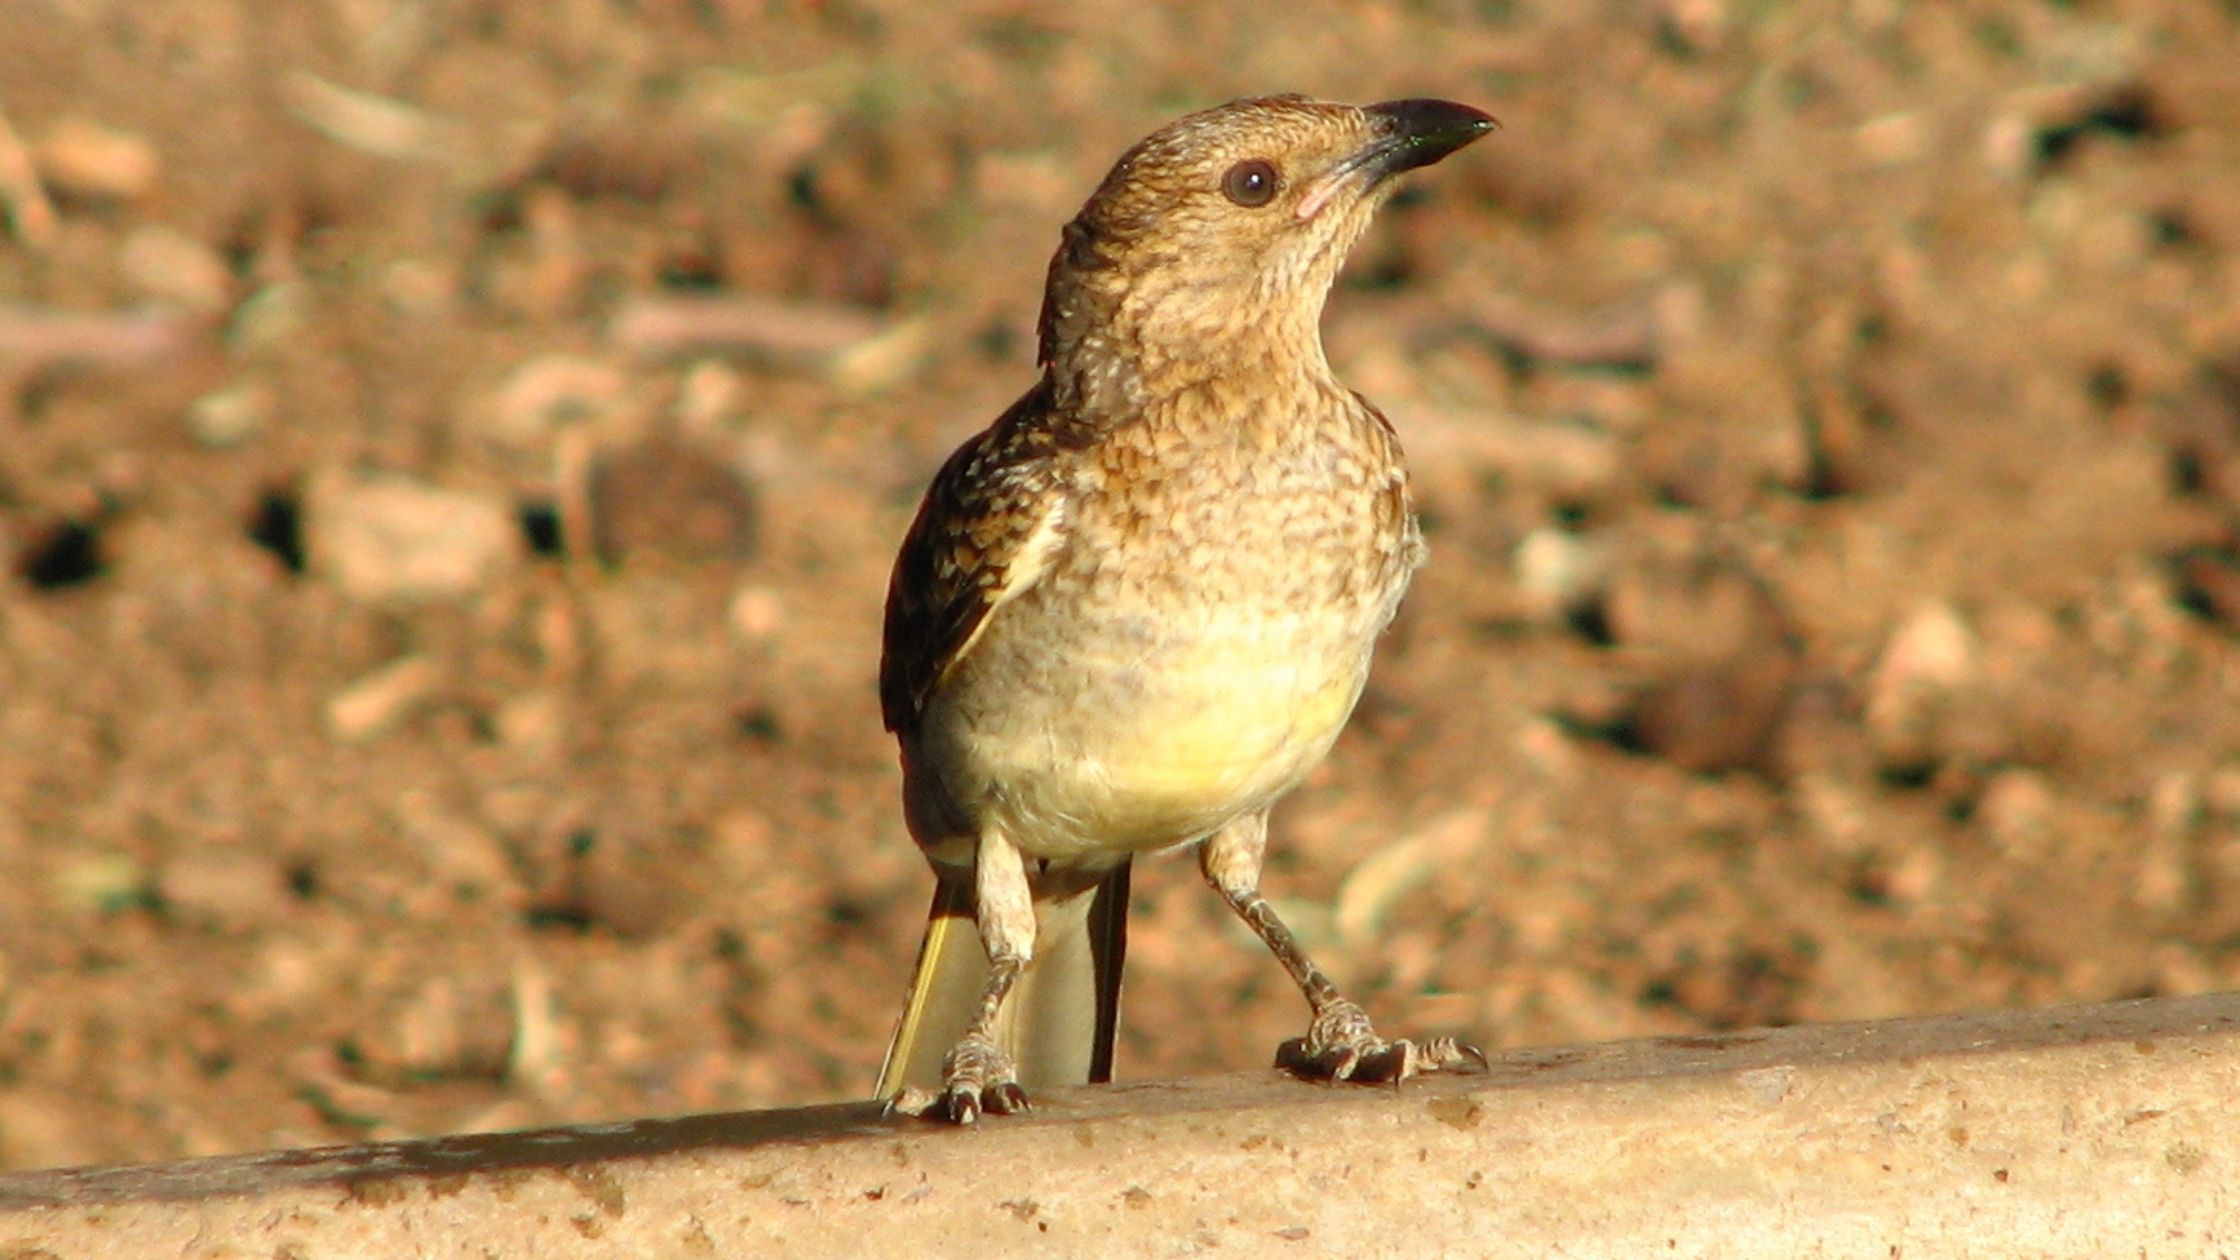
[[1061, 1018]]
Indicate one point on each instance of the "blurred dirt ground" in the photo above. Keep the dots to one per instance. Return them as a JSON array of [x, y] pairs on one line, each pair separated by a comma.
[[450, 454]]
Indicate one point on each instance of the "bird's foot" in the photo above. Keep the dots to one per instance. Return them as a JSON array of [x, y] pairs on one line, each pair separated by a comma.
[[977, 1076], [1340, 1045]]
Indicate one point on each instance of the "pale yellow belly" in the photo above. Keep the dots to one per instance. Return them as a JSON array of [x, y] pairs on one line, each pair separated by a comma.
[[1108, 753]]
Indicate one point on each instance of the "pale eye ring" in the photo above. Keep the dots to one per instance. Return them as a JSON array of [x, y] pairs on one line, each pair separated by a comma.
[[1251, 183]]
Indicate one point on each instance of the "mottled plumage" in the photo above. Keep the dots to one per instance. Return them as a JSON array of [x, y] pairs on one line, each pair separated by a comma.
[[1138, 608]]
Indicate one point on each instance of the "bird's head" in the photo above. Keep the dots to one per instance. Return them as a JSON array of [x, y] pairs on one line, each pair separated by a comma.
[[1233, 222]]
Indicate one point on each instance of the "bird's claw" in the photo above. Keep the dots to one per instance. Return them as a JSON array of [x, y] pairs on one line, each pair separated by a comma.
[[1341, 1045], [977, 1077]]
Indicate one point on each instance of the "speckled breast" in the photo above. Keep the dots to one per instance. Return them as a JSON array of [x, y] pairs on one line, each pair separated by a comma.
[[1192, 653]]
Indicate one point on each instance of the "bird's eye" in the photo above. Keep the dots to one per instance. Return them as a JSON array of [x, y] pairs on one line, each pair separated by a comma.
[[1251, 183]]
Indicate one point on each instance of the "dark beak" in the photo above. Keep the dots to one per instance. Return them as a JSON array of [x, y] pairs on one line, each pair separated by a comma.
[[1415, 133], [1404, 136]]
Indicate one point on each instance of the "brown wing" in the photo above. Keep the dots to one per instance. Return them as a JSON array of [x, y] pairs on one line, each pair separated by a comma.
[[986, 531]]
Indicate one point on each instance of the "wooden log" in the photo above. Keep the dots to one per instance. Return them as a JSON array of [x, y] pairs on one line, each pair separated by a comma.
[[2083, 1131]]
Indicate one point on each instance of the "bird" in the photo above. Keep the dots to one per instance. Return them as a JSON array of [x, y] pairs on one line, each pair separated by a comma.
[[1138, 608]]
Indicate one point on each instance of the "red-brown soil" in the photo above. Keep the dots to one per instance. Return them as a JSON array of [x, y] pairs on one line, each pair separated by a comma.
[[450, 456]]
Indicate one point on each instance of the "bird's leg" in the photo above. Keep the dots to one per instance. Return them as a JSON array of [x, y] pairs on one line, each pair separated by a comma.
[[978, 1073], [1340, 1044]]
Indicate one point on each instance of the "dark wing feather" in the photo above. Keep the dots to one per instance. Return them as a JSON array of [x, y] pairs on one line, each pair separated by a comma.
[[968, 550]]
